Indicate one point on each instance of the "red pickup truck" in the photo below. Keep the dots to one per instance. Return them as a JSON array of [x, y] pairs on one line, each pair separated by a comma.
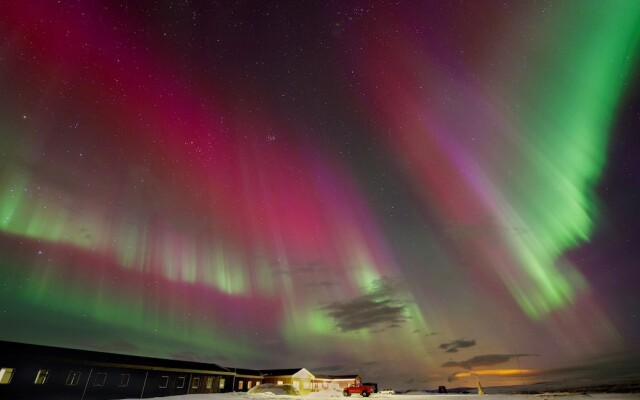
[[360, 389]]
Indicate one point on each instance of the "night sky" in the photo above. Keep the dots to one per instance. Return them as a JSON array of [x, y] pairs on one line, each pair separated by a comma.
[[415, 191]]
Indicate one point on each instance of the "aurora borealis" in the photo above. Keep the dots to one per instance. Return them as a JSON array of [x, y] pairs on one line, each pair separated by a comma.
[[419, 192]]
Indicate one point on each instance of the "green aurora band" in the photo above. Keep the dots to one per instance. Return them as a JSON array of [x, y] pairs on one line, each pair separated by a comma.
[[564, 123]]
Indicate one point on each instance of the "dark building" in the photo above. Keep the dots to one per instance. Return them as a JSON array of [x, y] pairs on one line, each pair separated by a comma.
[[33, 372], [245, 379]]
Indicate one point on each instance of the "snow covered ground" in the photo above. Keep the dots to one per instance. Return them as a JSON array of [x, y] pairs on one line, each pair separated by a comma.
[[330, 395]]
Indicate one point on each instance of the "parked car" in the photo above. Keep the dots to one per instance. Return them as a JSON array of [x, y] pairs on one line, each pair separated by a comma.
[[363, 390]]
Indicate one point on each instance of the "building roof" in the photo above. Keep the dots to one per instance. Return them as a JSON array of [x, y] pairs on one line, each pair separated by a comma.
[[293, 372], [14, 350], [246, 372], [280, 372]]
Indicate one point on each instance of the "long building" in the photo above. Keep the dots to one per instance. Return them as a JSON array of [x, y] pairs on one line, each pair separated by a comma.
[[35, 372]]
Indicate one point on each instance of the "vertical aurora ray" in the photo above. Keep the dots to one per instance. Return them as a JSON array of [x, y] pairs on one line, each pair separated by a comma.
[[125, 315], [173, 203], [12, 194], [551, 122], [566, 117]]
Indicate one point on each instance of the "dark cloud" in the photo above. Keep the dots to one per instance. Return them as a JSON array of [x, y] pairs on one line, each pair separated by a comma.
[[364, 313], [452, 347], [382, 305], [485, 360]]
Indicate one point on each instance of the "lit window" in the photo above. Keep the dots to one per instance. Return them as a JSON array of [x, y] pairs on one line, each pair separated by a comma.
[[73, 378], [42, 376], [164, 382], [305, 385], [280, 382], [240, 385], [5, 375], [101, 378], [296, 384], [221, 383], [257, 383], [195, 383], [180, 383], [249, 384], [209, 382], [124, 380]]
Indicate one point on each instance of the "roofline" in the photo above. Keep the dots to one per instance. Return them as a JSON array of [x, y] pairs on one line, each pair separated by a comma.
[[145, 363]]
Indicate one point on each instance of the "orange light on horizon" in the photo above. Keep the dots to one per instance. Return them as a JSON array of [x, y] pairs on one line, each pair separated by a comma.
[[498, 372]]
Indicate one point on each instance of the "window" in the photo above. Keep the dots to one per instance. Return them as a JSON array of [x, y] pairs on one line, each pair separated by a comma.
[[195, 383], [124, 380], [240, 385], [5, 375], [249, 384], [164, 382], [180, 382], [209, 382], [42, 376], [73, 378], [221, 383], [280, 382], [305, 385], [296, 384], [101, 378]]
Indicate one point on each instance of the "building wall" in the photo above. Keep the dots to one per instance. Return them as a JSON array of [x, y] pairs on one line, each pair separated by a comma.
[[278, 380], [45, 373], [42, 373], [304, 385], [244, 383], [320, 384]]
